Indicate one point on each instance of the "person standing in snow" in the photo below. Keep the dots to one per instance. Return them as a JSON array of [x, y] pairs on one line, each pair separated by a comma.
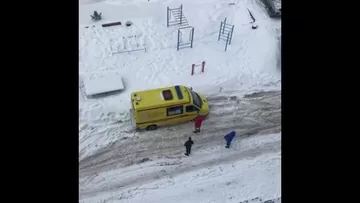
[[229, 137], [188, 145], [198, 121]]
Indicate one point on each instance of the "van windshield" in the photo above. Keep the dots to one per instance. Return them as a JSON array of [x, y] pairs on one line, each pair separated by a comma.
[[196, 99]]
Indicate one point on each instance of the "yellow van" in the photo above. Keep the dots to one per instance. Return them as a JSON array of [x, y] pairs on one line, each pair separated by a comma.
[[166, 106]]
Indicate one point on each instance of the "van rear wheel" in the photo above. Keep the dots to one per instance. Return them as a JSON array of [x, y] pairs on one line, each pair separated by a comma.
[[151, 127]]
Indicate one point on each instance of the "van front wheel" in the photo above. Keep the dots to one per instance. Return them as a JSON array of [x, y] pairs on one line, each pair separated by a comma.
[[151, 127]]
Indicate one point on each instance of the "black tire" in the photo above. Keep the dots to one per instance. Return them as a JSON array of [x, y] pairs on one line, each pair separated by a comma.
[[151, 127]]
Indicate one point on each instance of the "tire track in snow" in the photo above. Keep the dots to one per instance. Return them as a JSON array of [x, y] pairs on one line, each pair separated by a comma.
[[243, 153], [107, 128], [255, 114]]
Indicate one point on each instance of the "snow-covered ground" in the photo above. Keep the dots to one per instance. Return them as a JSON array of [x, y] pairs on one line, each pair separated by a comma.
[[249, 169], [118, 164]]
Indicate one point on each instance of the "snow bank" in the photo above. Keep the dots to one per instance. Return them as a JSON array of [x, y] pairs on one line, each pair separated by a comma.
[[230, 182], [105, 84]]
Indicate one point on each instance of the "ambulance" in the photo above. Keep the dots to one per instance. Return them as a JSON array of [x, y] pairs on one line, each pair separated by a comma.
[[166, 106]]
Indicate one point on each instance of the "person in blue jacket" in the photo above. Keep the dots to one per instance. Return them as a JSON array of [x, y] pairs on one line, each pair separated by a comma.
[[229, 137]]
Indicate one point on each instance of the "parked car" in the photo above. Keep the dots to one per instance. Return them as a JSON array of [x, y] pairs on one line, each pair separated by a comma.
[[273, 8]]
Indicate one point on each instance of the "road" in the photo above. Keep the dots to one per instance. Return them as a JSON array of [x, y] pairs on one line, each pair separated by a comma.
[[252, 115]]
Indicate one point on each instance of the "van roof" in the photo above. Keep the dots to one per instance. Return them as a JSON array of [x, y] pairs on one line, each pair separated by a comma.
[[161, 97]]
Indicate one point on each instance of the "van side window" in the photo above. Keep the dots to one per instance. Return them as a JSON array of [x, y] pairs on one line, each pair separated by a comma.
[[190, 108], [175, 110], [167, 95]]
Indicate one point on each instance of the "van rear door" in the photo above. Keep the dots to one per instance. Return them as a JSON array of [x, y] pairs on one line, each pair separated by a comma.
[[132, 115]]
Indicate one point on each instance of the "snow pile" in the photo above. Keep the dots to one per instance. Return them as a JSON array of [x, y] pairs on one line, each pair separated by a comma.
[[103, 84]]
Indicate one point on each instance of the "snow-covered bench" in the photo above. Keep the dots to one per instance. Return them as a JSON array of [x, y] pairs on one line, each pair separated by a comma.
[[103, 85]]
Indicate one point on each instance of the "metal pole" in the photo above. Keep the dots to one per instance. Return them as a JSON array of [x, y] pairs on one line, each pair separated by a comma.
[[178, 39], [167, 17], [203, 66], [192, 37], [224, 26], [181, 14], [232, 31], [227, 40], [220, 30], [252, 17]]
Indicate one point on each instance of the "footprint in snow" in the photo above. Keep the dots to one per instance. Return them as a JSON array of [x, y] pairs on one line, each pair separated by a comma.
[[83, 127]]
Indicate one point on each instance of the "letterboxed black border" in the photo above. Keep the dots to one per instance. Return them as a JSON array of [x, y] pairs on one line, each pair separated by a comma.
[[51, 148], [46, 142], [310, 54]]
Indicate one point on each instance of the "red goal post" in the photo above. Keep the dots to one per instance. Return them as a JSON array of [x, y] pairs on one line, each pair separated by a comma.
[[196, 65]]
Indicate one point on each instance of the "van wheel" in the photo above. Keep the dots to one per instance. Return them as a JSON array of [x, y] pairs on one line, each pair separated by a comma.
[[151, 127]]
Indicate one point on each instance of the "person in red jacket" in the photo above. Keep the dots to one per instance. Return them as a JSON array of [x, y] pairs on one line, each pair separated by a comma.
[[198, 121]]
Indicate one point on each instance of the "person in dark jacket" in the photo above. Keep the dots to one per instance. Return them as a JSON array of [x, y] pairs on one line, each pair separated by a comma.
[[188, 145], [229, 137]]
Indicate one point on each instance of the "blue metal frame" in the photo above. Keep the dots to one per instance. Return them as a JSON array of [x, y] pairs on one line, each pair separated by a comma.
[[186, 45], [168, 16], [226, 32]]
